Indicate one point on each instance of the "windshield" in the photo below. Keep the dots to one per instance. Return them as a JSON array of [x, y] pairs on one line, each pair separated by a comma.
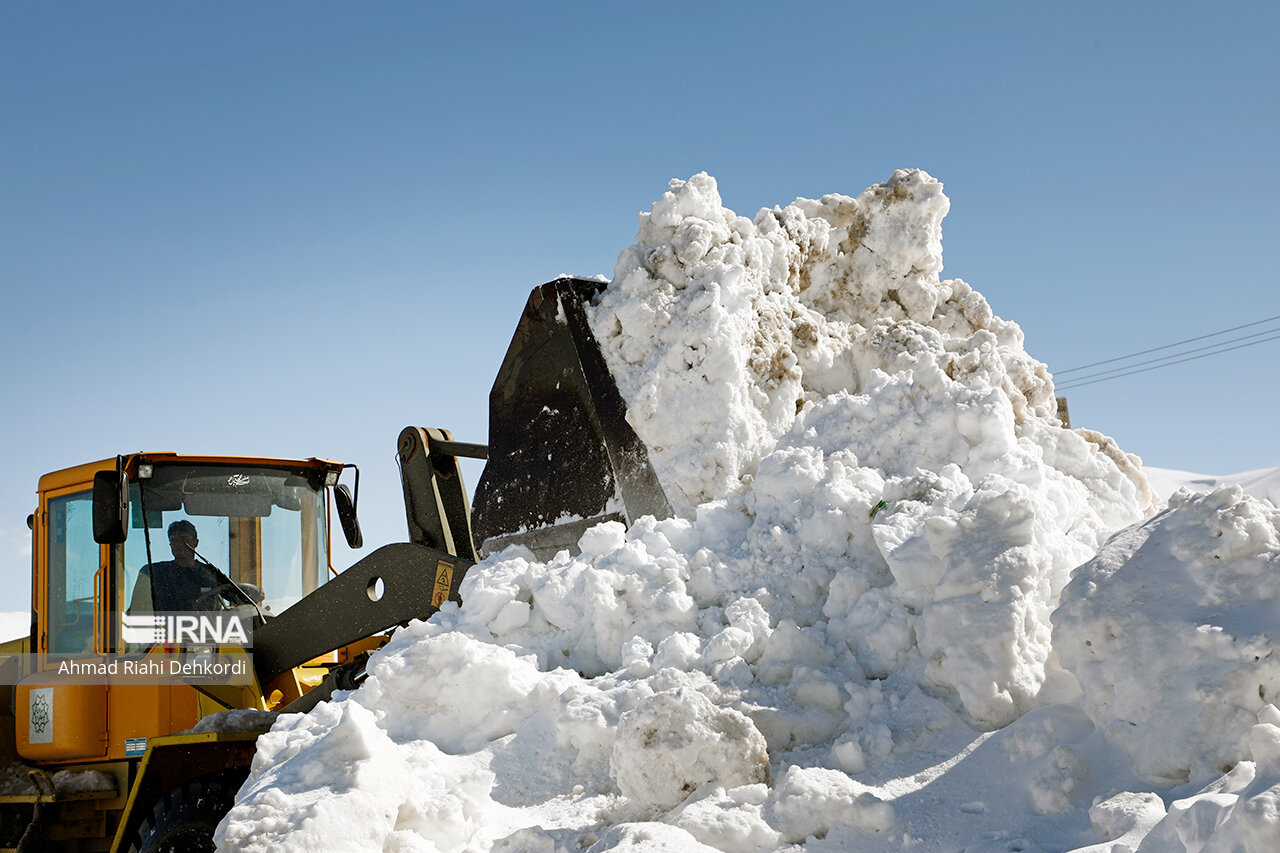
[[263, 528]]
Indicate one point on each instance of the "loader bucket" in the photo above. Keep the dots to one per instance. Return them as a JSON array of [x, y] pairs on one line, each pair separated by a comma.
[[562, 456]]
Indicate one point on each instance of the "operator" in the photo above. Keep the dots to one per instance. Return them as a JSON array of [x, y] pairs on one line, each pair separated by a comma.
[[181, 583]]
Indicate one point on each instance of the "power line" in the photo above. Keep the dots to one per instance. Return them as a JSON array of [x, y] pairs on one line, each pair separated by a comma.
[[1103, 378], [1166, 346], [1121, 371]]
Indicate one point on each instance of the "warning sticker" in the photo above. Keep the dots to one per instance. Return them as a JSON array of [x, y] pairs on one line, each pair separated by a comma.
[[444, 580]]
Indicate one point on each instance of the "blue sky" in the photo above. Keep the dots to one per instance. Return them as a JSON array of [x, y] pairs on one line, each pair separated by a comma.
[[294, 228]]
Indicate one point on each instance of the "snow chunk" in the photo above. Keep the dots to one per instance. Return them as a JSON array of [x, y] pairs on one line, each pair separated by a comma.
[[15, 780], [673, 743], [730, 819], [1238, 812], [239, 720], [809, 802], [651, 838], [81, 781], [1126, 817], [455, 691]]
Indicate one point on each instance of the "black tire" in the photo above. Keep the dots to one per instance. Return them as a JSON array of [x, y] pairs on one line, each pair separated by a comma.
[[184, 818]]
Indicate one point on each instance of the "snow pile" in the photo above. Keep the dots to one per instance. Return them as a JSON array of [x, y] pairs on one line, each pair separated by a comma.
[[1202, 578], [847, 639], [739, 324], [820, 365]]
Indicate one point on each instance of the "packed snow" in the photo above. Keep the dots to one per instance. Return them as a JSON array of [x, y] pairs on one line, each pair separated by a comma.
[[901, 606]]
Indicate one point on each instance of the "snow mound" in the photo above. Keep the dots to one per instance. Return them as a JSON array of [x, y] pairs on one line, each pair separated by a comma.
[[1201, 578], [820, 366], [847, 637]]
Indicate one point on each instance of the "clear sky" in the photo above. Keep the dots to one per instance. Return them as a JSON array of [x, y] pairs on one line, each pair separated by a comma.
[[294, 228]]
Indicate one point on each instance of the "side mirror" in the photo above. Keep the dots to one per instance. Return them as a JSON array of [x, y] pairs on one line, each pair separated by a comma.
[[347, 516], [110, 508]]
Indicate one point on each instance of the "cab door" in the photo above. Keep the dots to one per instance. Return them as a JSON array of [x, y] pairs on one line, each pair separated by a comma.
[[61, 717], [75, 575]]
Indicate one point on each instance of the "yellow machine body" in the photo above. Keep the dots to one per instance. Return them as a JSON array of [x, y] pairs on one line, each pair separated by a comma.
[[129, 732]]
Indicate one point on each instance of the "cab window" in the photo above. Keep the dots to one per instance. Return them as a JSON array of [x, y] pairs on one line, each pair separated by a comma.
[[262, 528], [73, 561]]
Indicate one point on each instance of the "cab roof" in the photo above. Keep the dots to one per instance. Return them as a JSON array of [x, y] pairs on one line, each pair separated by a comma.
[[83, 474]]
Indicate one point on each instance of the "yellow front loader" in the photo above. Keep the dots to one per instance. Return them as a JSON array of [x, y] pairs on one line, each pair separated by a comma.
[[105, 746], [101, 743]]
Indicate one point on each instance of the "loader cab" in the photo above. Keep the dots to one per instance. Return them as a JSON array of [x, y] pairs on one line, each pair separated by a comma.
[[261, 523]]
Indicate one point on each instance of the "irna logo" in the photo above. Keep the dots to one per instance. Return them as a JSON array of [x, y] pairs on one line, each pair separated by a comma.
[[203, 629]]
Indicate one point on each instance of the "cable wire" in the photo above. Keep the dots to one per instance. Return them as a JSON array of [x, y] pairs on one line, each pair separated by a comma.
[[1102, 377], [1129, 367], [1167, 346]]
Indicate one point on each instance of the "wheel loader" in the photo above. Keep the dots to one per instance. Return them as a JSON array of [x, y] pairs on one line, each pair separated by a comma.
[[123, 733]]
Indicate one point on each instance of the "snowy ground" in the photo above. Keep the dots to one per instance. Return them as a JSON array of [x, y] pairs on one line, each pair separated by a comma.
[[902, 607], [1263, 483]]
